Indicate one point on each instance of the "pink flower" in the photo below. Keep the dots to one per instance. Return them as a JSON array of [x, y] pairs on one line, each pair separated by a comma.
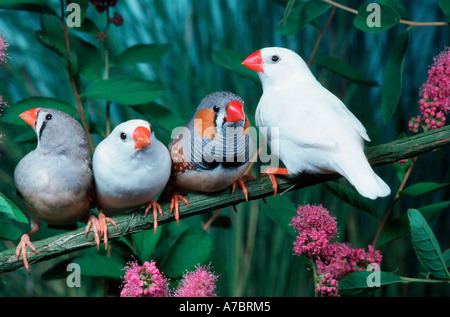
[[198, 283], [402, 162], [346, 259], [327, 287], [3, 45], [144, 281], [435, 95], [315, 229]]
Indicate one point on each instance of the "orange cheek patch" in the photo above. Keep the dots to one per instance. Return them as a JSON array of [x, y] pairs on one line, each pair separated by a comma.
[[246, 125], [204, 123]]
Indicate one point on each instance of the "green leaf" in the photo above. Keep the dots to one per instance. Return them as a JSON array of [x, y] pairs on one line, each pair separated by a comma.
[[8, 231], [100, 266], [10, 210], [423, 188], [141, 53], [344, 70], [446, 255], [391, 89], [11, 114], [386, 15], [125, 91], [89, 58], [356, 283], [27, 5], [281, 210], [425, 245], [399, 227], [396, 4], [193, 246], [145, 243], [300, 16], [350, 196], [231, 60], [51, 42], [445, 7]]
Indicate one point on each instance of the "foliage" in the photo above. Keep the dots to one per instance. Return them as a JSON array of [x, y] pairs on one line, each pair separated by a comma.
[[161, 62]]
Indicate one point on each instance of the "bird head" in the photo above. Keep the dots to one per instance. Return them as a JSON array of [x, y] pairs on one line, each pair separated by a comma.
[[132, 135], [278, 65], [219, 110], [54, 128]]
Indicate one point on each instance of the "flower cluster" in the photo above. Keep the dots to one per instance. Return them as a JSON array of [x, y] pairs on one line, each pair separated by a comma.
[[316, 227], [199, 283], [117, 19], [346, 260], [147, 281], [402, 162], [435, 95], [3, 45], [328, 286], [144, 281], [333, 260], [102, 5]]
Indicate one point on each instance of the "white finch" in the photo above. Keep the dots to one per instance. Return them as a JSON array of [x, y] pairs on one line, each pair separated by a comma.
[[317, 134], [130, 168]]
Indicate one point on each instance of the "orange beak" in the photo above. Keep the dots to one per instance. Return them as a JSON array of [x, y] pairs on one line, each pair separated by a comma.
[[254, 62], [235, 112], [30, 116], [141, 137]]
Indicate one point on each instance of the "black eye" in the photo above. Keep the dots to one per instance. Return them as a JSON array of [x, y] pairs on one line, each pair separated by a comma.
[[48, 117], [123, 136], [216, 109], [275, 58]]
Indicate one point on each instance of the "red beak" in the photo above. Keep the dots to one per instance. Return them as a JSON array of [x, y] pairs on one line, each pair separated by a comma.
[[254, 62], [141, 137], [235, 112], [30, 116]]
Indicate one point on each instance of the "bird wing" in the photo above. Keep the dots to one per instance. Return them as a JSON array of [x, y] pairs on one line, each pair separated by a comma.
[[312, 117]]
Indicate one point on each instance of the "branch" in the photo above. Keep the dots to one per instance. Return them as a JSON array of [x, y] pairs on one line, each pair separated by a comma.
[[406, 22], [201, 203], [72, 81]]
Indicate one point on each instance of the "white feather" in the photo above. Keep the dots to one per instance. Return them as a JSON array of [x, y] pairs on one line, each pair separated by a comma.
[[125, 177]]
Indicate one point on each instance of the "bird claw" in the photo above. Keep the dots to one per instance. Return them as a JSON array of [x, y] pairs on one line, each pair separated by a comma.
[[22, 248], [242, 185], [175, 204], [271, 172], [156, 207], [99, 227]]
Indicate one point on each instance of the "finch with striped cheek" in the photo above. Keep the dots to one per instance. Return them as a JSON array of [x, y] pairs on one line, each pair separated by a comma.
[[55, 180], [213, 150]]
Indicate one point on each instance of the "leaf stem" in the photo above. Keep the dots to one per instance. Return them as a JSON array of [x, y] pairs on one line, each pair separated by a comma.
[[108, 103], [319, 38], [315, 280], [72, 80], [397, 196], [410, 23]]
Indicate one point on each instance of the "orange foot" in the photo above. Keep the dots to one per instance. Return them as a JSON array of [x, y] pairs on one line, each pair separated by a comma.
[[272, 171], [22, 248], [156, 207], [99, 227], [241, 183], [174, 203]]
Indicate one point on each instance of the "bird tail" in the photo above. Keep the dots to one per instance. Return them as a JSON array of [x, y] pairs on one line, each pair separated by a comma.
[[361, 175]]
